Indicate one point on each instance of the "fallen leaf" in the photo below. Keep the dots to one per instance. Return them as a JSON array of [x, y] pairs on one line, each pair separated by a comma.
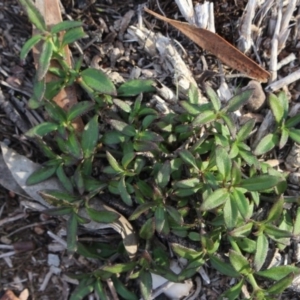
[[219, 47], [9, 295]]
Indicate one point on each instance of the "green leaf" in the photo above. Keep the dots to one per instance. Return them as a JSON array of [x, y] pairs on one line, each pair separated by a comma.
[[113, 137], [90, 137], [187, 183], [98, 81], [223, 267], [145, 189], [295, 135], [61, 211], [44, 60], [55, 112], [42, 129], [233, 292], [296, 224], [230, 213], [246, 244], [277, 108], [34, 15], [121, 126], [223, 162], [73, 146], [241, 203], [281, 285], [41, 175], [259, 183], [72, 35], [141, 209], [245, 130], [237, 101], [127, 159], [262, 247], [242, 231], [191, 268], [84, 288], [113, 162], [192, 109], [122, 105], [122, 290], [29, 45], [193, 94], [217, 198], [136, 86], [276, 210], [65, 25], [145, 284], [284, 137], [293, 121], [102, 216], [39, 88], [54, 197], [213, 97], [147, 230], [175, 214], [266, 144], [119, 268], [163, 175], [204, 118], [79, 109], [279, 272], [100, 291], [185, 252], [160, 218], [64, 179], [123, 192], [188, 158], [72, 225], [275, 233], [239, 262]]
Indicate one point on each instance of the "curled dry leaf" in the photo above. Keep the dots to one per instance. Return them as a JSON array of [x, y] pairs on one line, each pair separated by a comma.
[[212, 42], [21, 167]]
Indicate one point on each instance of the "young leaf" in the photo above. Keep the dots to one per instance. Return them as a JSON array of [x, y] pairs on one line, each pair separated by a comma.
[[135, 87], [90, 137], [239, 262], [34, 15], [276, 108], [98, 81], [266, 144], [237, 101], [122, 105], [259, 183], [213, 97], [102, 216], [145, 284], [72, 35], [65, 25], [41, 175], [72, 225], [284, 137], [29, 45], [262, 247], [217, 198], [113, 162], [73, 146], [223, 162], [79, 109], [163, 175], [42, 129], [44, 60]]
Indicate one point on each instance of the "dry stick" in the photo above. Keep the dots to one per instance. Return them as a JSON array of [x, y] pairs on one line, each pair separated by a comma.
[[274, 43], [274, 86], [66, 98]]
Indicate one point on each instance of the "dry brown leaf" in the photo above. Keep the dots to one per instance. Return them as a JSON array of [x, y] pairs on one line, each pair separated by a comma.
[[219, 47], [9, 295], [66, 98]]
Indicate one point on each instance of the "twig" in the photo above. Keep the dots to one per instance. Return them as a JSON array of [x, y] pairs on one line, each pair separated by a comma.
[[12, 219], [274, 86]]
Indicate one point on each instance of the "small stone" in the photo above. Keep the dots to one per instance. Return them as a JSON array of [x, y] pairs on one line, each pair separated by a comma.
[[53, 260], [258, 98]]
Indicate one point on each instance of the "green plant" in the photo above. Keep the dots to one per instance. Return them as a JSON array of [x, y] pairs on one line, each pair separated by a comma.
[[191, 174]]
